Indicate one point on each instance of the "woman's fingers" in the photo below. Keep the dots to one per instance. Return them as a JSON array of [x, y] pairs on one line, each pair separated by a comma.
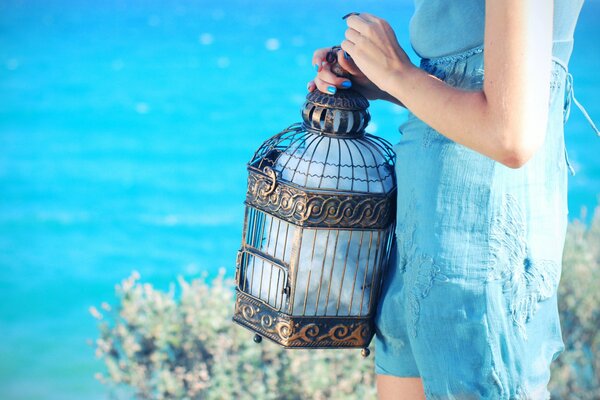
[[368, 25], [311, 86], [325, 87], [370, 21], [328, 82], [319, 57], [359, 22], [348, 63], [369, 17], [348, 46], [353, 35], [328, 76]]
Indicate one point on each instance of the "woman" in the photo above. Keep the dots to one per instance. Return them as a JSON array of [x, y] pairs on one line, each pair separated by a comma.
[[469, 308]]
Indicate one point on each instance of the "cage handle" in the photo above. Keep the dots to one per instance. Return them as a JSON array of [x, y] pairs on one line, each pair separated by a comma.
[[332, 59]]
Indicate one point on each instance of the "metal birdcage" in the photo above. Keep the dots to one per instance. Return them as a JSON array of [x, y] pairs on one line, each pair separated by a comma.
[[318, 229]]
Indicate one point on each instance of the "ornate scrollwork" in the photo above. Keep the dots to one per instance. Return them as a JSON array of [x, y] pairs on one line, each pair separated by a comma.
[[284, 201], [291, 331], [347, 334], [350, 211], [273, 176], [346, 100], [305, 334], [313, 209]]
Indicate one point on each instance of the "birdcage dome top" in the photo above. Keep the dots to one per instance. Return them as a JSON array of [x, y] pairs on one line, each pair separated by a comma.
[[312, 160], [344, 115]]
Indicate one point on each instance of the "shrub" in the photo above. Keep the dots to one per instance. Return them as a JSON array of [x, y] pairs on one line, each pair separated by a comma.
[[576, 372], [189, 348], [168, 345]]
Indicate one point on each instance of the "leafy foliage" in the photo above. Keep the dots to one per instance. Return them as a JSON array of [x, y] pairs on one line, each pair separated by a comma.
[[191, 349], [576, 372], [168, 345]]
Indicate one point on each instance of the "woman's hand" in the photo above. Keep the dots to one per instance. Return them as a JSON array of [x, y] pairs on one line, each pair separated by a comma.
[[374, 48], [507, 119], [328, 82]]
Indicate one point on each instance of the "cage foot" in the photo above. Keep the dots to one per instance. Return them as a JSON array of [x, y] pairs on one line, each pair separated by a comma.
[[365, 352], [257, 338]]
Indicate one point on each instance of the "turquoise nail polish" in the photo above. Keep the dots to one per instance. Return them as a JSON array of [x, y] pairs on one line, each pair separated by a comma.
[[346, 84], [331, 89], [317, 67]]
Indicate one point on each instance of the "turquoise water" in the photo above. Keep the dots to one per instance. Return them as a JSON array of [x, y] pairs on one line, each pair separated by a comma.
[[125, 127]]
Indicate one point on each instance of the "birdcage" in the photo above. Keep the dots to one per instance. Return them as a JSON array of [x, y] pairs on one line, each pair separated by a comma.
[[318, 229]]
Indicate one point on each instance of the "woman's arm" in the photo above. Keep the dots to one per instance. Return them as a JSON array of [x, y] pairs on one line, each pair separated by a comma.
[[505, 121]]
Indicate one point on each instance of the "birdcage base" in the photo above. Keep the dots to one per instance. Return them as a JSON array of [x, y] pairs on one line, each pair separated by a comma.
[[301, 331]]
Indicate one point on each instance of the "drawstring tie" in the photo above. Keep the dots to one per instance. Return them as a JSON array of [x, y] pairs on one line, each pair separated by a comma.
[[567, 110]]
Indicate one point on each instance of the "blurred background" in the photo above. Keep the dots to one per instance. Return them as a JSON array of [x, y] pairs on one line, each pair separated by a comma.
[[125, 127]]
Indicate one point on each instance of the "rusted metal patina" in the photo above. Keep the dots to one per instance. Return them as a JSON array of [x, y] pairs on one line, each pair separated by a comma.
[[318, 228]]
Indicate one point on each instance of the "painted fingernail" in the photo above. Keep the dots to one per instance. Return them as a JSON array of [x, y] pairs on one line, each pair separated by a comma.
[[331, 89], [316, 67], [349, 14], [346, 56], [346, 84]]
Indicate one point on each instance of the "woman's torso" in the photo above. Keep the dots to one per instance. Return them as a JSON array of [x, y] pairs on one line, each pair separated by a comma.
[[441, 27], [461, 207], [463, 215]]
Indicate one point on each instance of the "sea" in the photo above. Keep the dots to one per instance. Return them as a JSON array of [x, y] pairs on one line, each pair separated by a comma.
[[125, 129]]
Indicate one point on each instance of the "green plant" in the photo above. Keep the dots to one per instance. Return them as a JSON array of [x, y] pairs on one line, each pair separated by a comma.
[[189, 348], [168, 345], [576, 372]]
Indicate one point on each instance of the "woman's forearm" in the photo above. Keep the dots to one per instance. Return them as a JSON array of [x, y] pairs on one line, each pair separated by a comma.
[[463, 116], [507, 119], [388, 97]]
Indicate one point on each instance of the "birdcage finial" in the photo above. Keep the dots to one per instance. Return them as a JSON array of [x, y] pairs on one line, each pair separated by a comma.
[[341, 114]]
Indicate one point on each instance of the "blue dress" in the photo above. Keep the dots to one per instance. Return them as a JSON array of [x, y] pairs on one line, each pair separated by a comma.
[[469, 303]]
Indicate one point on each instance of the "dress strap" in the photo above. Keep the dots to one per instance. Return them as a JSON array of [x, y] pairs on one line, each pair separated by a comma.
[[570, 96]]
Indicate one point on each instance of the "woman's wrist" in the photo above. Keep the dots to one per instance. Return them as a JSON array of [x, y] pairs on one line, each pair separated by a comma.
[[388, 97], [397, 79]]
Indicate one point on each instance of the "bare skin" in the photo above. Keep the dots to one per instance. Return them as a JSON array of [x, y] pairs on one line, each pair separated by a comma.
[[396, 388], [505, 121]]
